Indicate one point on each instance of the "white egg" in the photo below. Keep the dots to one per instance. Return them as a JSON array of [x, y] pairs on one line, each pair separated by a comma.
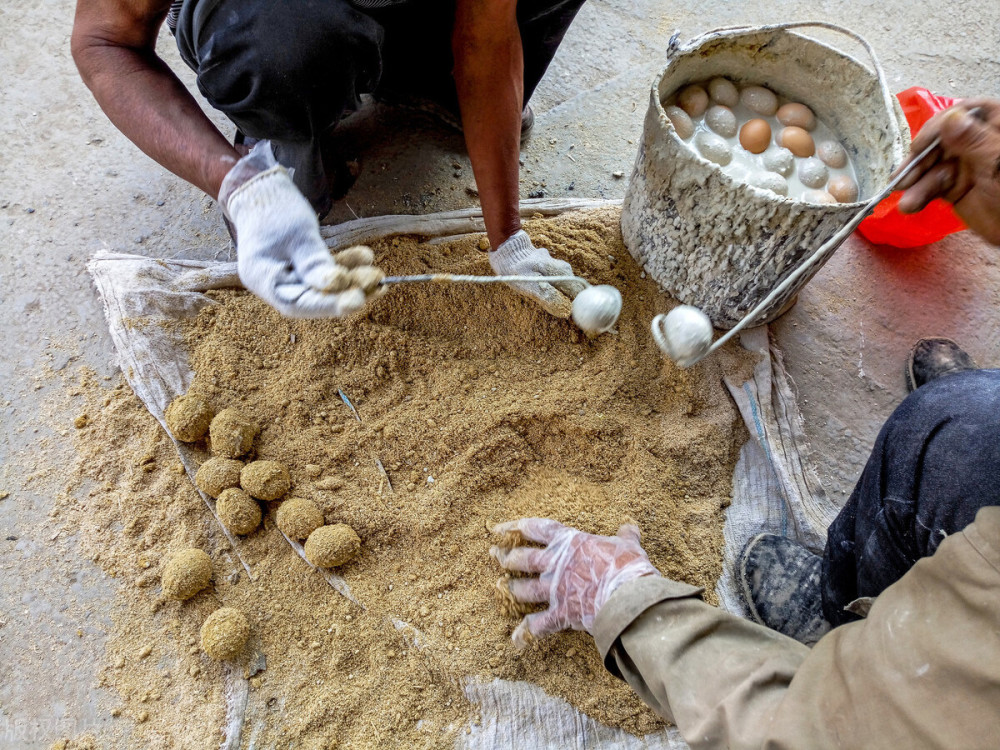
[[769, 181], [596, 308], [684, 334], [760, 100], [813, 172], [681, 122], [714, 148], [724, 91], [780, 160], [722, 120]]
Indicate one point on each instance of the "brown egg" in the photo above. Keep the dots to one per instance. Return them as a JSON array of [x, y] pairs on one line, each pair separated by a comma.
[[843, 188], [797, 140], [796, 114], [755, 136], [693, 100]]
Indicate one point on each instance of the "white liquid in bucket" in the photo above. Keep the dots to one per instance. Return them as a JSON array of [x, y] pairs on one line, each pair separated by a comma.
[[759, 169]]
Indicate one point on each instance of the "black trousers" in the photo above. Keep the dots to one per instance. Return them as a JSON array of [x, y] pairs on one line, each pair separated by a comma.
[[935, 463], [289, 71]]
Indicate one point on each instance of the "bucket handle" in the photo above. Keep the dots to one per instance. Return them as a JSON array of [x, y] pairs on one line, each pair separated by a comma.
[[888, 98]]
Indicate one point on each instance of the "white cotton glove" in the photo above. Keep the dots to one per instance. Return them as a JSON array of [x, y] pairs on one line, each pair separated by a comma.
[[281, 256], [519, 257], [577, 573]]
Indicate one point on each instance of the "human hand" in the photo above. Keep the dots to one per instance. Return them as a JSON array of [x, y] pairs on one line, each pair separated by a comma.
[[281, 256], [964, 169], [576, 573], [519, 257]]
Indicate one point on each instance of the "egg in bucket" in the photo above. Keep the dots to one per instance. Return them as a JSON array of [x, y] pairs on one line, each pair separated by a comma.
[[723, 244]]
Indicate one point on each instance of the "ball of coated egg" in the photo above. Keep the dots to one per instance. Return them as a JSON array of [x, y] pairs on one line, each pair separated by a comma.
[[238, 511], [693, 100], [755, 136], [722, 120], [813, 173], [769, 181], [818, 196], [760, 100], [185, 573], [843, 188], [797, 140], [684, 334], [724, 91], [780, 160], [188, 418], [265, 480], [832, 154], [224, 633], [332, 546], [681, 122], [797, 114], [714, 148], [596, 308]]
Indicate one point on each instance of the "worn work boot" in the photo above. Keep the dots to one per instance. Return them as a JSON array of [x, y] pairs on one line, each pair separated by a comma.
[[933, 357], [780, 583]]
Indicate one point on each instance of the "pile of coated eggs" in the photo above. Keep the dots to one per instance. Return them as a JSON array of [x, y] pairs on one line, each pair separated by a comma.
[[758, 138]]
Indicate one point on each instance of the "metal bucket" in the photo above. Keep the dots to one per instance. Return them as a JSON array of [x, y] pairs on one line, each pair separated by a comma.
[[722, 245]]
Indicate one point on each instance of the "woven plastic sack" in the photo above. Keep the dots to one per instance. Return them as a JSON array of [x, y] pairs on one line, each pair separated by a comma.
[[886, 225]]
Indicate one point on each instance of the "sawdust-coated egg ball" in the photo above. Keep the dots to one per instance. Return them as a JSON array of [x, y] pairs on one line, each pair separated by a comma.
[[596, 308], [843, 188], [722, 120], [714, 148], [813, 173], [224, 633], [797, 140], [693, 100], [760, 100], [797, 114], [755, 135], [681, 122], [724, 92], [832, 153]]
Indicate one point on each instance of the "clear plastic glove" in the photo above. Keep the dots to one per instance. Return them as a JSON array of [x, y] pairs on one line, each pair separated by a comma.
[[281, 256], [576, 573], [519, 257], [965, 170]]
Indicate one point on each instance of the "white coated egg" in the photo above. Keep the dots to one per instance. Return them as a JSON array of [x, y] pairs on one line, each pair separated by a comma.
[[596, 308], [724, 91], [760, 100], [714, 148], [813, 172], [684, 334], [681, 122], [832, 154], [780, 160], [769, 181], [722, 120], [818, 196]]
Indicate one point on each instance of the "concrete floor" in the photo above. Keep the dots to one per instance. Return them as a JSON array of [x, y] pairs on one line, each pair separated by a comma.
[[71, 185]]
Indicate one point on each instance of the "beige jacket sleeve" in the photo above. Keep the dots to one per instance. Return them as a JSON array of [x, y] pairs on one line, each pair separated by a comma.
[[922, 671]]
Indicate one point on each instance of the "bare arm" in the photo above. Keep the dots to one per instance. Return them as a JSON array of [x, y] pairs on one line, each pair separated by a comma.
[[489, 76], [113, 45]]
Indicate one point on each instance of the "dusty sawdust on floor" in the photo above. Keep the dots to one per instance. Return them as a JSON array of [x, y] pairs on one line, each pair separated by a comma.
[[482, 409]]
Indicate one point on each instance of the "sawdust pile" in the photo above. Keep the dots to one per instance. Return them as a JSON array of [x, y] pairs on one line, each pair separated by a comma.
[[481, 409]]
